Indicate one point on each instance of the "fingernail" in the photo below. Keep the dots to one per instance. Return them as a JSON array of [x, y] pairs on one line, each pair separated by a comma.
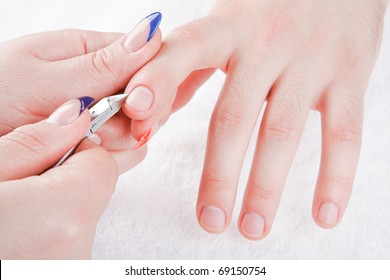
[[143, 140], [252, 225], [328, 213], [140, 99], [212, 219], [95, 139], [142, 33], [70, 111]]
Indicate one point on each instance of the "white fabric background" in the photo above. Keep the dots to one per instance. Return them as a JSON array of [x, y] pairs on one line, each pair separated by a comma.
[[152, 213]]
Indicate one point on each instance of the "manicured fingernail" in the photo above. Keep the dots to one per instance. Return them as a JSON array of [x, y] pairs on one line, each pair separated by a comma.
[[328, 213], [95, 139], [142, 33], [252, 225], [143, 140], [212, 219], [70, 111], [140, 99]]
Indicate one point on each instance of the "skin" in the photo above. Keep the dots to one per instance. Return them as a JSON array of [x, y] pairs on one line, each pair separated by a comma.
[[36, 70], [326, 67], [53, 214], [289, 57]]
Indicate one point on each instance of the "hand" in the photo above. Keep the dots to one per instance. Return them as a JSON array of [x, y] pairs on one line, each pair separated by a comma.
[[39, 72], [53, 215], [297, 55]]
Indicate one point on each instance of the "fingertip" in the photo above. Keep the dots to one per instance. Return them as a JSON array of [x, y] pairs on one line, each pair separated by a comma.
[[143, 49], [157, 37], [327, 215], [250, 238], [322, 225], [212, 219], [252, 226], [155, 20], [139, 103]]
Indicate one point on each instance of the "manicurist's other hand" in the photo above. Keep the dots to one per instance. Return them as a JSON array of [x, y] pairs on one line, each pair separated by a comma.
[[39, 72], [297, 55], [53, 213]]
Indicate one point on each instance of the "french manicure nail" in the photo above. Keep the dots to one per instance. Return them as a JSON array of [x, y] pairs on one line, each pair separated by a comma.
[[142, 33], [252, 225], [212, 219], [328, 213], [70, 111], [140, 99], [143, 140]]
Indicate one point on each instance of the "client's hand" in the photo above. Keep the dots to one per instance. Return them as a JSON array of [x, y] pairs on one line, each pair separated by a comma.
[[298, 55]]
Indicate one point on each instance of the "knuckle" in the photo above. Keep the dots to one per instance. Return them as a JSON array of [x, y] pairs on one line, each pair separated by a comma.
[[280, 129], [262, 192], [230, 118], [290, 101], [216, 185], [187, 35], [83, 38], [344, 134], [245, 77], [103, 61], [29, 139], [291, 96]]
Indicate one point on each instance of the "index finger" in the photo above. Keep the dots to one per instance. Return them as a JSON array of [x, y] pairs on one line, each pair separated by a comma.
[[197, 45]]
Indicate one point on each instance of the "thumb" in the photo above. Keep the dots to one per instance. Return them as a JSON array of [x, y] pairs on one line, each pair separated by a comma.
[[108, 69], [31, 149]]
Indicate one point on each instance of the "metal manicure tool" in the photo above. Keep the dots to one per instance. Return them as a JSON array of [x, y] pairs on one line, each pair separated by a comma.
[[100, 113]]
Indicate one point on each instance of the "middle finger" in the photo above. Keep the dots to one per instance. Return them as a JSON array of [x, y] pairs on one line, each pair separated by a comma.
[[281, 129], [230, 129]]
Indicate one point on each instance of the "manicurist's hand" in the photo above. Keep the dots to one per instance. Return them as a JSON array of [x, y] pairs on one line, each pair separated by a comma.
[[39, 72], [53, 214], [297, 55]]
